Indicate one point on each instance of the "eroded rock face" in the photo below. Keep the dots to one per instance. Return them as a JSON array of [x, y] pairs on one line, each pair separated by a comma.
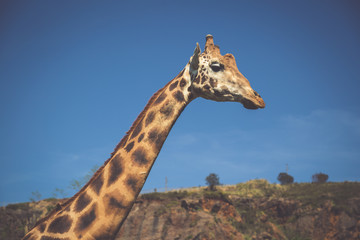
[[257, 219], [18, 219], [214, 215], [181, 219]]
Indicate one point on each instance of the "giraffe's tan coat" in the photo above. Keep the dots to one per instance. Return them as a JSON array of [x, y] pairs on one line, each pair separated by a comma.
[[98, 210]]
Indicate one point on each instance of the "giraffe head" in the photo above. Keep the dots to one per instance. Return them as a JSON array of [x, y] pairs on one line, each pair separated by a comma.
[[216, 77]]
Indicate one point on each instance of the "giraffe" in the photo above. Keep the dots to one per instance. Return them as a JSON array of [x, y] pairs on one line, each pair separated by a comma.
[[99, 209]]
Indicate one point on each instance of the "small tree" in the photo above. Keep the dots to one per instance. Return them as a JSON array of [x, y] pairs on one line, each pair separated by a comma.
[[285, 178], [320, 177], [59, 193], [212, 180], [35, 196]]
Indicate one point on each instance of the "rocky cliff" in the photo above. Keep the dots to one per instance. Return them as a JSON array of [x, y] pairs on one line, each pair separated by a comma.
[[253, 210]]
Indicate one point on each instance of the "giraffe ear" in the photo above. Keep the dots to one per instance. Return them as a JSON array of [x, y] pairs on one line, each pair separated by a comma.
[[194, 62]]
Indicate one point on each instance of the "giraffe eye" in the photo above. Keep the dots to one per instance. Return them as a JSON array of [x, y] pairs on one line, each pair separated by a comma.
[[216, 66]]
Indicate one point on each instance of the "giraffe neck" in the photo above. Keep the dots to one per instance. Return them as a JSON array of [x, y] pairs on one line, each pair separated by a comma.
[[98, 210]]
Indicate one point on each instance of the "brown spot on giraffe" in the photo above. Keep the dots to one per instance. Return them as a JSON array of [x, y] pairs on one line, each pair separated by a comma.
[[157, 138], [97, 184], [137, 130], [173, 85], [182, 83], [153, 135], [141, 137], [149, 118], [60, 224], [86, 219], [116, 169], [179, 96], [161, 98], [213, 83], [82, 202], [139, 156], [167, 109], [114, 203], [197, 79], [129, 146], [203, 79], [132, 182]]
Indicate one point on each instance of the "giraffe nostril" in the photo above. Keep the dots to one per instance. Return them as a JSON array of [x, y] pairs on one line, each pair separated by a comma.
[[256, 94]]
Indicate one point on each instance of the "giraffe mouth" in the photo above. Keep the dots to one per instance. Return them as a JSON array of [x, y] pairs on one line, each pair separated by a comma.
[[249, 104]]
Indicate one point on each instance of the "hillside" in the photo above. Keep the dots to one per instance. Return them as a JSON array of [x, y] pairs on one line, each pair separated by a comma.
[[252, 210]]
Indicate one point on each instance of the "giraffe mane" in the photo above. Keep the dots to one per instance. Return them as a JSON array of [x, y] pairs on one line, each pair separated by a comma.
[[61, 206]]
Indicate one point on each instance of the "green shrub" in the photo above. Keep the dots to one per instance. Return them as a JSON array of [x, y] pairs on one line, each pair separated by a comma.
[[16, 206], [285, 178], [216, 195], [257, 188], [320, 178], [212, 181], [165, 195]]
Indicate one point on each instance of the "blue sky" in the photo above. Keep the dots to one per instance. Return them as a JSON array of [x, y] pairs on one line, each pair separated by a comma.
[[75, 74]]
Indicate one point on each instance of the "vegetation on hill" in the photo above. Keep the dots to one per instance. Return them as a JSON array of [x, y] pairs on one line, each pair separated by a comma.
[[252, 210]]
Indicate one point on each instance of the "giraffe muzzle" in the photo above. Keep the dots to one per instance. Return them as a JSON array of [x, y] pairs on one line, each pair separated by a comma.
[[253, 102]]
